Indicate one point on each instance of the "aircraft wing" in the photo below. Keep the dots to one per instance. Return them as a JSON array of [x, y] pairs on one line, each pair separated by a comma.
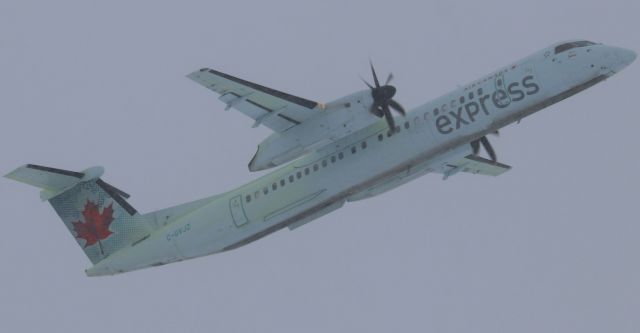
[[476, 165], [275, 109]]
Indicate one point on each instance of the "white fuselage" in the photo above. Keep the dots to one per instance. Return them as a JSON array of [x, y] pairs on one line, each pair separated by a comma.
[[369, 161]]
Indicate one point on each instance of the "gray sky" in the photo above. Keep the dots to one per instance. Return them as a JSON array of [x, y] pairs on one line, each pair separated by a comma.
[[551, 246]]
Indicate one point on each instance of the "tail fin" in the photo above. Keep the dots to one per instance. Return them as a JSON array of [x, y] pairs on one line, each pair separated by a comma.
[[96, 213]]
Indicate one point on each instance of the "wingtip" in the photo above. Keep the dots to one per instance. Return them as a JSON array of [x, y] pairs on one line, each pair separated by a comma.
[[194, 73], [10, 174]]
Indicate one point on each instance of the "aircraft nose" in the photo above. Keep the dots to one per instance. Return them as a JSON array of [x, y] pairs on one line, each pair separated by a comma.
[[625, 56]]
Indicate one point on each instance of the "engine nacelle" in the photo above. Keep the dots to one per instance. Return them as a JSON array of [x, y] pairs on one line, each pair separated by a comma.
[[336, 120]]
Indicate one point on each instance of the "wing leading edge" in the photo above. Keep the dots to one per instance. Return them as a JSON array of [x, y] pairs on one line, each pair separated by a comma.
[[273, 108]]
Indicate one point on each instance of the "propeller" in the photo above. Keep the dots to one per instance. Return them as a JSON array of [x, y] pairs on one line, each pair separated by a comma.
[[383, 98], [475, 145]]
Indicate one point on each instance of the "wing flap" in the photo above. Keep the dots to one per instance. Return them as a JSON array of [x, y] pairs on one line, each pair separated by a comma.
[[475, 165], [272, 108]]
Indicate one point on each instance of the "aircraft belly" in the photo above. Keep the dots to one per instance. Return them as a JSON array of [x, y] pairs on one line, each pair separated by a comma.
[[401, 178], [292, 206], [327, 208]]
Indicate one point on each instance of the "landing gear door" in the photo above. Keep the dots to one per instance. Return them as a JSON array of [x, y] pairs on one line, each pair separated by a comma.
[[237, 211]]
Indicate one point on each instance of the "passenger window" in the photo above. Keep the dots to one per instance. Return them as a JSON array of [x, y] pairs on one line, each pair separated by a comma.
[[248, 198], [380, 137], [324, 163], [397, 129], [291, 179], [265, 190], [315, 167], [306, 171], [353, 150], [389, 132], [340, 155], [274, 186], [333, 159], [299, 175], [363, 145], [257, 194], [406, 125], [282, 182]]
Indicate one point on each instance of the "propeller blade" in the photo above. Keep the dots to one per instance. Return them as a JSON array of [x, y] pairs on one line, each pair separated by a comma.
[[488, 148], [375, 77], [389, 78], [475, 145], [382, 98], [389, 118], [117, 190], [367, 83], [396, 106]]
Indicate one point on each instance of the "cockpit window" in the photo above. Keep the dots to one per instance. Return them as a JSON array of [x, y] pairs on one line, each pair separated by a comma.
[[568, 46]]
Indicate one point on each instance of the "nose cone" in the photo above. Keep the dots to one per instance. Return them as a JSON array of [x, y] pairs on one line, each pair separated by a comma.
[[625, 56], [383, 93], [390, 91]]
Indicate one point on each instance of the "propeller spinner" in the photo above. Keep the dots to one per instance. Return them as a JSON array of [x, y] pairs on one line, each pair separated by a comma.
[[383, 100]]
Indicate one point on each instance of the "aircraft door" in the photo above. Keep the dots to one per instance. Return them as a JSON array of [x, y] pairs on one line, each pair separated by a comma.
[[237, 211]]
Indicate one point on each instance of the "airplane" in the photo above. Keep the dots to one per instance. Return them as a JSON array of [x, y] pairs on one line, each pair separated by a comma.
[[324, 155]]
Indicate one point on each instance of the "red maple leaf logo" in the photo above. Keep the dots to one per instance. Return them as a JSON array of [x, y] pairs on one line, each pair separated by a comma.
[[95, 226]]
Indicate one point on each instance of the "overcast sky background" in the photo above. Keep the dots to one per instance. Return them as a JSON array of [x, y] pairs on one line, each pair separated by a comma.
[[550, 246]]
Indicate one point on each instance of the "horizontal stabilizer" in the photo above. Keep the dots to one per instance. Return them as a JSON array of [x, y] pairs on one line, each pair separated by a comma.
[[46, 178], [54, 182]]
